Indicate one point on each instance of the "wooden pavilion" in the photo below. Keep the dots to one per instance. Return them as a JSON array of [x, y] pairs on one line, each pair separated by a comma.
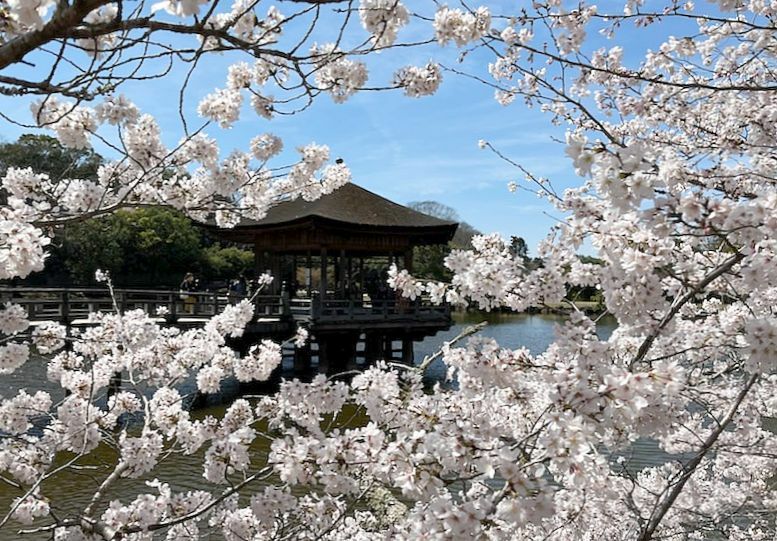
[[334, 235], [330, 259]]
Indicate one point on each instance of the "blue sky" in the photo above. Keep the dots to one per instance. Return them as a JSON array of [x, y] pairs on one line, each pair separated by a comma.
[[402, 148], [426, 149]]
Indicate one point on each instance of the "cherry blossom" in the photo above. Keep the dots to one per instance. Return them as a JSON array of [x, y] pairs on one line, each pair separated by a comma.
[[337, 74], [671, 137], [383, 19], [419, 81], [13, 319], [460, 26]]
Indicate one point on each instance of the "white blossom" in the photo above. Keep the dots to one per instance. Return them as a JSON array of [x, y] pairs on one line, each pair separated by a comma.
[[222, 106], [30, 508], [419, 81], [13, 319], [265, 146], [12, 356], [337, 74], [382, 19], [49, 336], [460, 26], [301, 337], [259, 363]]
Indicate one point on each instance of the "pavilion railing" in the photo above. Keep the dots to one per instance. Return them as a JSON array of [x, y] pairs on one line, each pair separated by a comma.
[[386, 309]]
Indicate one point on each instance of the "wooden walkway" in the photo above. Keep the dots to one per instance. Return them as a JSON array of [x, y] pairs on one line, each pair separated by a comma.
[[344, 333], [72, 306]]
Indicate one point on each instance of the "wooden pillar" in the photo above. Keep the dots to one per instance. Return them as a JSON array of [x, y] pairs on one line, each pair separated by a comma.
[[302, 359], [336, 275], [337, 353], [259, 264], [294, 285], [341, 273], [349, 351], [349, 274], [323, 273], [361, 277], [407, 350], [275, 270], [388, 349], [323, 356], [310, 274], [409, 259], [373, 348]]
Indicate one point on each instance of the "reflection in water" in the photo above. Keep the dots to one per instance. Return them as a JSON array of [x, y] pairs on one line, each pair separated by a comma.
[[74, 489]]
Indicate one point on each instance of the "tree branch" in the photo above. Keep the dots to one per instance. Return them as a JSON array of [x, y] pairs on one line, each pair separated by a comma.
[[690, 467]]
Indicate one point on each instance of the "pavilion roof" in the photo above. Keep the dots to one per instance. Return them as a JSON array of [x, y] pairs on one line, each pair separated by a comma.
[[350, 218], [350, 204]]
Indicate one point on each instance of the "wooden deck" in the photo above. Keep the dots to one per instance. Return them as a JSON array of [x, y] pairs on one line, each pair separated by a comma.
[[72, 306], [344, 333]]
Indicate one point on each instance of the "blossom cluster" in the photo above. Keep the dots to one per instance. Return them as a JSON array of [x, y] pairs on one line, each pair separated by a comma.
[[419, 81], [337, 74], [383, 19], [460, 26], [676, 200]]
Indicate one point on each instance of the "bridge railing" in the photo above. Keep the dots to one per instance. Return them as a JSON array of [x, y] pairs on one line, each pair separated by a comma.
[[68, 305], [73, 305]]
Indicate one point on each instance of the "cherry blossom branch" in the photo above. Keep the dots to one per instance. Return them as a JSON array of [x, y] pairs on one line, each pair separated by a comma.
[[117, 472], [64, 19], [665, 504], [259, 475], [468, 331], [680, 302]]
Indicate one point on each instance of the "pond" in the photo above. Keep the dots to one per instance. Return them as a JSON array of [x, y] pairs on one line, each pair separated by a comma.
[[533, 331]]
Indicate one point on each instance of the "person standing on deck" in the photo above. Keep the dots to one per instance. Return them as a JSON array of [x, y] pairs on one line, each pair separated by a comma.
[[238, 289], [187, 287]]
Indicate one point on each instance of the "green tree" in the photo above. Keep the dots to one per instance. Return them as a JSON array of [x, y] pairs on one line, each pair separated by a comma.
[[518, 247], [220, 263], [146, 246], [150, 247], [46, 155], [428, 261], [164, 245], [93, 244]]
